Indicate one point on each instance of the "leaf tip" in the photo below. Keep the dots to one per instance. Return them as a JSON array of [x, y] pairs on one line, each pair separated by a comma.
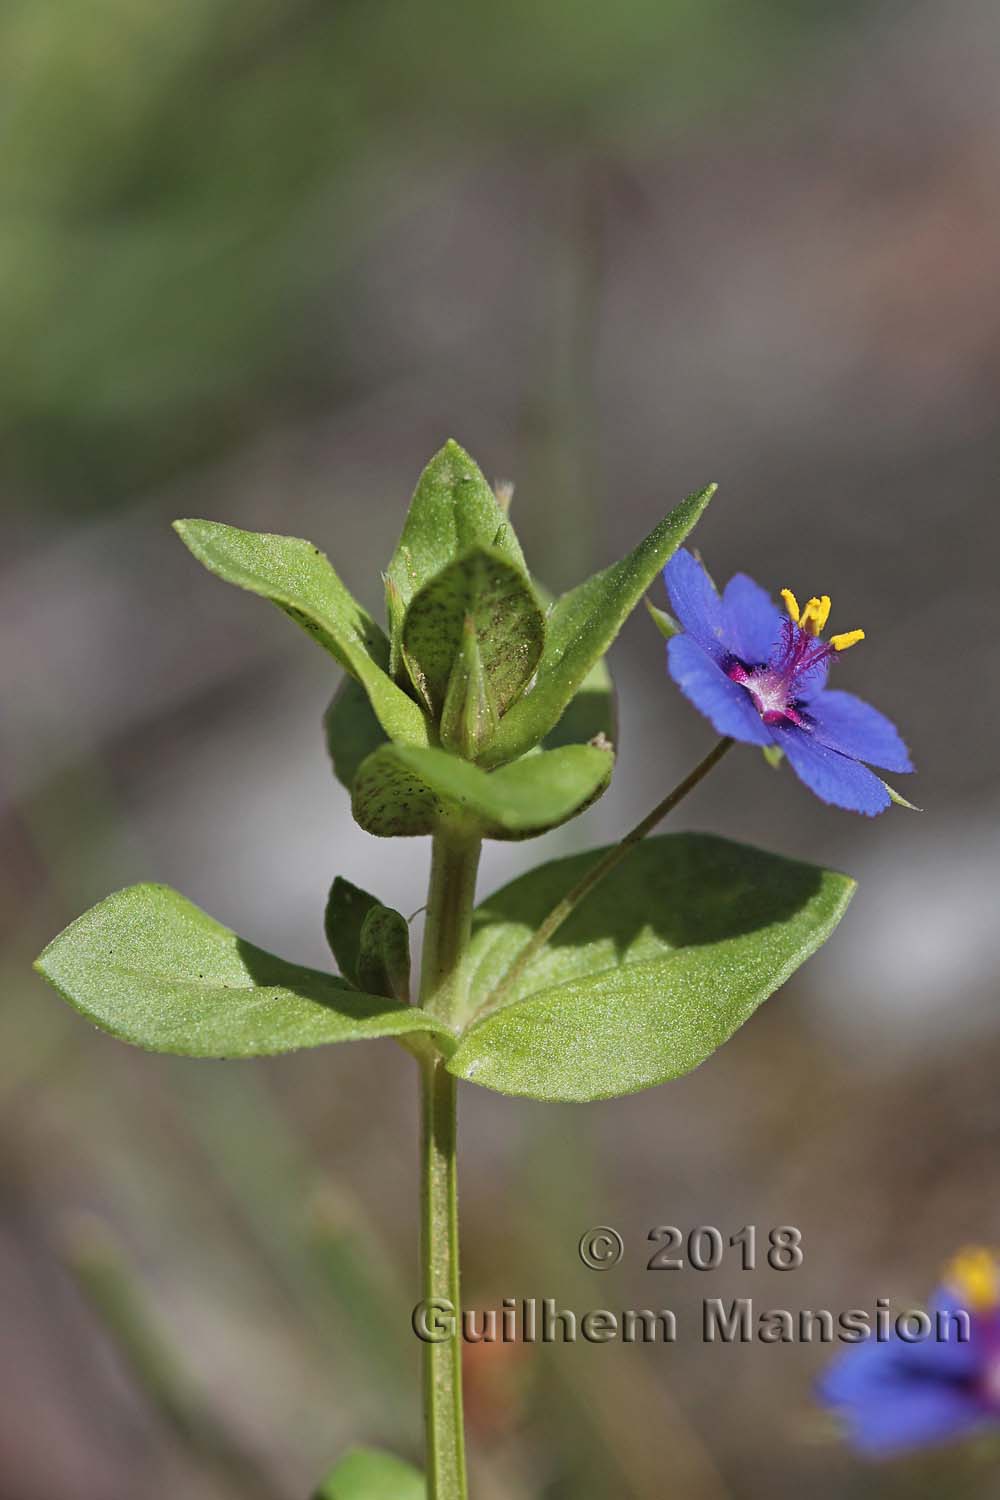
[[848, 889], [189, 529], [451, 452]]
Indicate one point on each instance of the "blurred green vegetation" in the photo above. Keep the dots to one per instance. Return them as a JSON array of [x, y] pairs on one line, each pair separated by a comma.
[[182, 188]]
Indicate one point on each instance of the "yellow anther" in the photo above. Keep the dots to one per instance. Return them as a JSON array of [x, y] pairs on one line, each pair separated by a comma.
[[849, 638], [791, 604], [975, 1275], [815, 614]]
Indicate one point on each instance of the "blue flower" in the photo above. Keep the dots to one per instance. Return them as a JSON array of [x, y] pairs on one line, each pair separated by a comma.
[[760, 677], [895, 1396]]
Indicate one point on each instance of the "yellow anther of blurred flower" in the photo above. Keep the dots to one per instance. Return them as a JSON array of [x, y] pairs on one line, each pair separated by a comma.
[[975, 1274]]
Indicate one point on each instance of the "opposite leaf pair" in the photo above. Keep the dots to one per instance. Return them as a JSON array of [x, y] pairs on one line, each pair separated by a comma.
[[642, 983]]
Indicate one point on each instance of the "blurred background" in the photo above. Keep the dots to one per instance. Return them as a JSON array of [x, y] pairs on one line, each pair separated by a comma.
[[257, 260]]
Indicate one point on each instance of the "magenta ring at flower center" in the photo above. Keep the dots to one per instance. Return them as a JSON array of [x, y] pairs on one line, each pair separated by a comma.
[[770, 691]]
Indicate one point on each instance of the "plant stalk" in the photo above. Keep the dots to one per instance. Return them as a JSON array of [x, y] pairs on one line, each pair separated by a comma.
[[443, 993], [597, 872]]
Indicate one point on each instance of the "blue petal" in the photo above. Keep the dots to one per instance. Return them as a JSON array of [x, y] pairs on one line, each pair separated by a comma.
[[896, 1396], [835, 778], [953, 1357], [751, 621], [891, 1398], [860, 1374], [916, 1419], [723, 702], [694, 601], [875, 1366], [848, 724]]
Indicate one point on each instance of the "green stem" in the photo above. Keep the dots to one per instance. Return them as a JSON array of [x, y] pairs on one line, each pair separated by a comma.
[[443, 993], [444, 1436], [597, 872], [452, 894]]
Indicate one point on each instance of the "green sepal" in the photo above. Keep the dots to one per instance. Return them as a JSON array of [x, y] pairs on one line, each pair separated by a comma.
[[899, 799], [773, 754], [403, 791], [582, 625], [652, 972], [298, 578], [154, 970], [664, 622], [483, 594], [366, 1474], [453, 509]]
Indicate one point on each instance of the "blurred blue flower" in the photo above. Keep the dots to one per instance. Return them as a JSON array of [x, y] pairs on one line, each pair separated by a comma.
[[894, 1396], [760, 677]]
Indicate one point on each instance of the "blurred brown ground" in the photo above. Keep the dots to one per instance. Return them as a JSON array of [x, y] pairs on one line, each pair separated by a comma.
[[257, 263]]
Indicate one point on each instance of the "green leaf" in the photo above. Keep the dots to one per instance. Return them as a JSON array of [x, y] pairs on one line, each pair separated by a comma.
[[399, 790], [346, 908], [365, 1474], [370, 942], [352, 731], [592, 713], [453, 509], [470, 715], [395, 611], [483, 593], [581, 626], [154, 970], [658, 967], [295, 575], [384, 954]]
